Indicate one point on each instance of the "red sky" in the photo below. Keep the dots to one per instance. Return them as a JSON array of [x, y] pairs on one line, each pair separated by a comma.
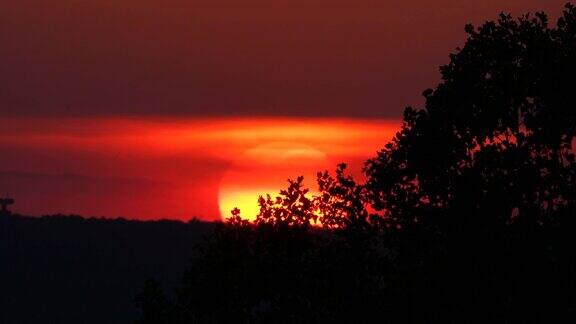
[[144, 108]]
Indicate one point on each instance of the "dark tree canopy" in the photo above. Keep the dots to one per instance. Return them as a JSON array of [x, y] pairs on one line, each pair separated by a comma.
[[495, 138]]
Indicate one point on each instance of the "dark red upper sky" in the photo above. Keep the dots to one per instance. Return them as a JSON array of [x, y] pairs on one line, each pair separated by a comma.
[[359, 58]]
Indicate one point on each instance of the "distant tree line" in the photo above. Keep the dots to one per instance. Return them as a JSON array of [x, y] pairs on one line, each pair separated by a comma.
[[70, 269], [467, 216]]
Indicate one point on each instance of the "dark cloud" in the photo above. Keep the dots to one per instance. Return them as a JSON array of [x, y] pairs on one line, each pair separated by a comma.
[[228, 57]]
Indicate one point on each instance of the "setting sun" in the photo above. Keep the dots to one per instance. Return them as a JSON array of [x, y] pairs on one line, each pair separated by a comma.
[[264, 169]]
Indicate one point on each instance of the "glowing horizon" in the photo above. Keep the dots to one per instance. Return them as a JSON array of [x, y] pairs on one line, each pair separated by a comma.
[[150, 168]]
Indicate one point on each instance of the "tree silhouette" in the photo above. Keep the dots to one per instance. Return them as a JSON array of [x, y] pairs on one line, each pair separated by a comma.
[[341, 202], [467, 215], [495, 137], [290, 208]]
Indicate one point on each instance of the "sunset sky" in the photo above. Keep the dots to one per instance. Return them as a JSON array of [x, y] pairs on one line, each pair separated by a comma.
[[173, 109]]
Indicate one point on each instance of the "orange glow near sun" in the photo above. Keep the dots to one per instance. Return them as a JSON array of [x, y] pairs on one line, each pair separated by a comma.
[[264, 169]]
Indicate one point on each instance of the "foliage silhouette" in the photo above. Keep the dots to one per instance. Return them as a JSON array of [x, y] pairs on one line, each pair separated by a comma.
[[290, 208], [495, 138], [467, 216]]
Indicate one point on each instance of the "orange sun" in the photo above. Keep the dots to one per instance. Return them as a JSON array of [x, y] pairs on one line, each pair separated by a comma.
[[265, 169]]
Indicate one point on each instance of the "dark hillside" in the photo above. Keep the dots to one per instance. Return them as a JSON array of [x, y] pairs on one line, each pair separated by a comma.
[[70, 269]]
